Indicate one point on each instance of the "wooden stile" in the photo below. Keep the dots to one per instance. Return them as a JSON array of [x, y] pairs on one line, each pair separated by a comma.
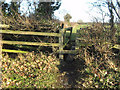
[[60, 35], [60, 44]]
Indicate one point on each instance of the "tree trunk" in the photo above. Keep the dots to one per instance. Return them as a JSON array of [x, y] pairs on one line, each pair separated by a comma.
[[113, 30]]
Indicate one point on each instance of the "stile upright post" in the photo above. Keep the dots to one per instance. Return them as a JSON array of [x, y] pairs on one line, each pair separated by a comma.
[[61, 43], [76, 46]]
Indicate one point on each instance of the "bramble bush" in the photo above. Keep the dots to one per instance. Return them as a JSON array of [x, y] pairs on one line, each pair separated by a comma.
[[103, 65], [30, 71]]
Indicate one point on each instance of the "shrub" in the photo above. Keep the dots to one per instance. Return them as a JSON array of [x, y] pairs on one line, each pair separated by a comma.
[[22, 23], [102, 65], [102, 75], [29, 71]]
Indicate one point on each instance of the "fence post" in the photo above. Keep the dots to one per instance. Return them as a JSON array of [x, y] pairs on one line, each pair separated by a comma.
[[76, 46], [0, 46], [70, 33], [61, 43]]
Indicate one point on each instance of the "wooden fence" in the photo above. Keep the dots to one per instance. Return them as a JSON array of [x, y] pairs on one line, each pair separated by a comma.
[[60, 35]]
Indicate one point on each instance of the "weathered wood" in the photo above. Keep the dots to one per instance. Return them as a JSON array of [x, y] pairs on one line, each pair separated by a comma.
[[30, 43], [67, 51], [4, 26], [13, 51], [77, 42], [30, 33], [116, 46], [61, 44], [26, 47]]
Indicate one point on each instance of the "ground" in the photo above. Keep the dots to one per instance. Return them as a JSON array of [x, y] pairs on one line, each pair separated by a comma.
[[73, 73], [72, 68]]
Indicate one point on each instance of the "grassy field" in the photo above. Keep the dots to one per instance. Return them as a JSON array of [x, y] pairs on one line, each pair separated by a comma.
[[75, 28], [78, 26]]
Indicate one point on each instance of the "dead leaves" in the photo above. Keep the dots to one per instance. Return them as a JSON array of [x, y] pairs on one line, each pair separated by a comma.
[[28, 69]]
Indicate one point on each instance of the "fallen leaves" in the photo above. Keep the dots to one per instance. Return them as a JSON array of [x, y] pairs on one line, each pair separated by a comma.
[[25, 70]]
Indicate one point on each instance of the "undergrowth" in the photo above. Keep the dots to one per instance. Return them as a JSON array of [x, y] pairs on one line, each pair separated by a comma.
[[30, 71], [103, 65]]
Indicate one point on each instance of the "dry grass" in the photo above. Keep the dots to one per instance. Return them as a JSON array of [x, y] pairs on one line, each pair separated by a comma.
[[30, 71], [102, 64]]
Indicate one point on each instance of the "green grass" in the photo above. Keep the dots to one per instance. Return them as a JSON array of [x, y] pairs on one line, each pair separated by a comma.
[[75, 28]]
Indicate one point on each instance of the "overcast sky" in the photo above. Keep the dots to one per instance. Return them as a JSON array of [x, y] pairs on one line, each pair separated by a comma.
[[78, 9]]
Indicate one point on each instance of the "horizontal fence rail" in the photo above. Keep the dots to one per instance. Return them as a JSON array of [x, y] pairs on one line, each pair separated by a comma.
[[31, 43], [116, 46], [14, 51], [4, 26], [60, 35], [30, 33], [67, 51]]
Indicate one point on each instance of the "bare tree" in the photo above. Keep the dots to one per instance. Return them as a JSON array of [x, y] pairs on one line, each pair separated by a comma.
[[100, 6], [112, 6]]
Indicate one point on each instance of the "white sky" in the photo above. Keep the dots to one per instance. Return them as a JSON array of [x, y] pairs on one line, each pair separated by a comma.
[[78, 9]]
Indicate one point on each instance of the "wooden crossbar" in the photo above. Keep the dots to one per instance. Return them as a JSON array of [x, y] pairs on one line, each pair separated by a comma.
[[60, 44], [4, 26], [67, 51], [30, 43], [116, 46], [30, 33], [13, 51]]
